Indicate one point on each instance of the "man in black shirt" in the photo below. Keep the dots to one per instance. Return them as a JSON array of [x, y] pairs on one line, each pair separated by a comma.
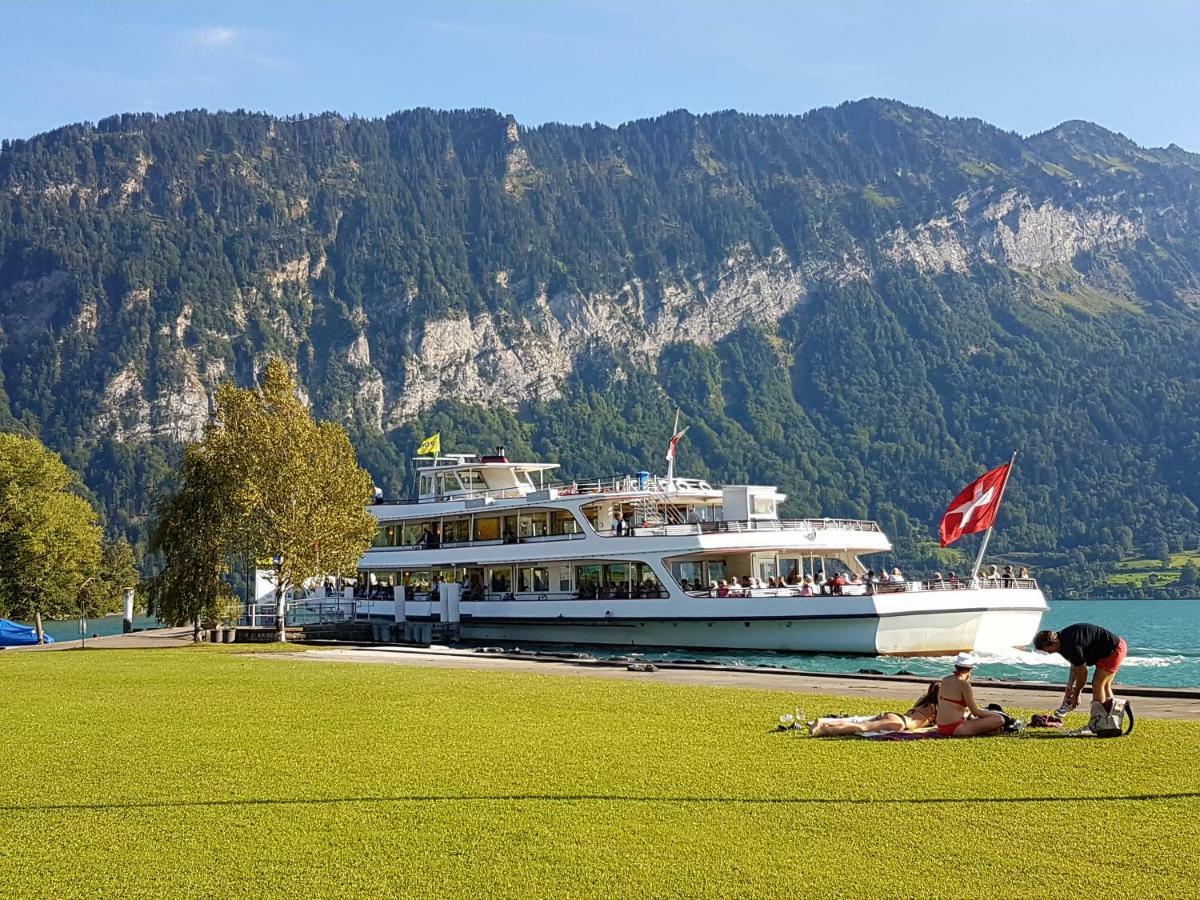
[[1084, 645]]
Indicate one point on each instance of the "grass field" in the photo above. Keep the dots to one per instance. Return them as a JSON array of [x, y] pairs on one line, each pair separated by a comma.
[[184, 773], [1138, 572]]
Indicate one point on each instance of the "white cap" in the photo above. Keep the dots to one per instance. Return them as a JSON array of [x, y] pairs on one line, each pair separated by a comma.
[[965, 661]]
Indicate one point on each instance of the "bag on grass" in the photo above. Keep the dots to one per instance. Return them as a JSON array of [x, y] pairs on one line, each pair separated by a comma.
[[1111, 724]]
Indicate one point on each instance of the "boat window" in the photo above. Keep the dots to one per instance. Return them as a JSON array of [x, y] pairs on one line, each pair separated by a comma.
[[617, 574], [560, 574], [645, 582], [456, 530], [487, 528], [535, 524], [509, 533], [412, 533], [587, 580], [562, 522], [426, 485], [716, 570], [418, 580], [385, 536], [762, 506], [472, 481], [533, 579], [500, 579], [474, 587], [691, 570]]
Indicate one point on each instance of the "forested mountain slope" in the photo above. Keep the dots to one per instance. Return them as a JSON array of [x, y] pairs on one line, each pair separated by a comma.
[[865, 304]]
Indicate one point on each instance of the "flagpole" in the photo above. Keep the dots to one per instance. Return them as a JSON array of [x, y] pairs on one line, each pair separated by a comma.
[[988, 535], [671, 461]]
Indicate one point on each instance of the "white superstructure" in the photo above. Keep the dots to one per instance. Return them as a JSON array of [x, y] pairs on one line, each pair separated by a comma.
[[497, 547]]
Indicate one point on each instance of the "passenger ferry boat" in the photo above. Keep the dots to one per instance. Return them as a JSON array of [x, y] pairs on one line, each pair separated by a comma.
[[509, 555]]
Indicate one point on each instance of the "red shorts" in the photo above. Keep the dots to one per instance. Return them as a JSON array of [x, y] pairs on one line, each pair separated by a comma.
[[948, 729], [1113, 661]]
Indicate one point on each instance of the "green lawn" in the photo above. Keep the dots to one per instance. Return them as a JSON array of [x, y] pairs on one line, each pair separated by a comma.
[[176, 772], [1137, 572]]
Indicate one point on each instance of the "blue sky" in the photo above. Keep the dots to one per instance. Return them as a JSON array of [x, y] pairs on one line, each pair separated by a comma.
[[1024, 65]]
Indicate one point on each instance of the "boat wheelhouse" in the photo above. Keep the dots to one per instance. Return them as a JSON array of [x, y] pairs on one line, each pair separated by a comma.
[[506, 553]]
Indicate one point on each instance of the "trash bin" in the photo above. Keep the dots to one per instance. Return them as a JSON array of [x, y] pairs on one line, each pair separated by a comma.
[[643, 480]]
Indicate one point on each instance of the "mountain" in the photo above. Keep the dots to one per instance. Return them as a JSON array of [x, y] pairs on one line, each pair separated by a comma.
[[867, 304]]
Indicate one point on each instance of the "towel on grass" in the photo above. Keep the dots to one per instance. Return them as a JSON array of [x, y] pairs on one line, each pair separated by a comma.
[[903, 735]]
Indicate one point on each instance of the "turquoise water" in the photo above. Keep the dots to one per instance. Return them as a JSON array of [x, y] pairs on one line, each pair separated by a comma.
[[69, 629], [1163, 638]]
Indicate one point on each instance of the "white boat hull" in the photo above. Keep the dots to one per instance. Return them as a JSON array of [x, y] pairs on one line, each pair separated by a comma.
[[903, 624]]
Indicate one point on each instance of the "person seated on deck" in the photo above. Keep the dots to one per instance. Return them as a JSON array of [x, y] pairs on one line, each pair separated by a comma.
[[854, 579], [509, 537], [839, 582], [896, 577], [712, 589], [1023, 574], [622, 592], [606, 592], [1007, 579], [952, 578], [745, 582], [806, 586], [991, 574], [958, 714], [793, 578], [685, 584], [723, 588], [935, 582], [920, 715]]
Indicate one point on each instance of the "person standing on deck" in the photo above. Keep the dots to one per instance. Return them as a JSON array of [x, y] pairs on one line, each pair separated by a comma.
[[1084, 645]]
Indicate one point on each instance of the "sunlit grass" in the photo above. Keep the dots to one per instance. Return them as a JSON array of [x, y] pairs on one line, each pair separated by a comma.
[[178, 772]]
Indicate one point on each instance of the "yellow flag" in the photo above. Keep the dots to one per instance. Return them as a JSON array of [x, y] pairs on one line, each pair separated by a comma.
[[431, 446]]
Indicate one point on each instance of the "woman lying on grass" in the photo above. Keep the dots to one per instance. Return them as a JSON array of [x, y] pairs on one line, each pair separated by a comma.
[[922, 714]]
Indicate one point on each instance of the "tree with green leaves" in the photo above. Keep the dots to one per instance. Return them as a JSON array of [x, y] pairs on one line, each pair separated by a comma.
[[118, 571], [266, 481], [1189, 575], [192, 534], [49, 535]]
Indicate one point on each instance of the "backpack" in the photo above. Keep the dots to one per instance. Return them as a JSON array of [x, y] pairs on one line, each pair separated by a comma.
[[1111, 724]]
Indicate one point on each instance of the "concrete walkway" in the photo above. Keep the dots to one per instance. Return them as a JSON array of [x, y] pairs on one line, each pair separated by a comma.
[[1157, 703], [138, 640]]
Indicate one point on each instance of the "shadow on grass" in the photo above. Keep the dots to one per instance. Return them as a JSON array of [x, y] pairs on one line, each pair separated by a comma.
[[583, 798]]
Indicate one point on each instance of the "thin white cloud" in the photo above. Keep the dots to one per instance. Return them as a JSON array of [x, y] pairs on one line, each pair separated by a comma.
[[214, 37]]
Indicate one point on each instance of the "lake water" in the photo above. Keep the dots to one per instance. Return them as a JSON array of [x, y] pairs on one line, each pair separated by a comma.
[[69, 630], [1163, 638]]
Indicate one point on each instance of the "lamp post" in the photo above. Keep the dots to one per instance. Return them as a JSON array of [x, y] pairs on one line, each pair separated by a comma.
[[82, 619]]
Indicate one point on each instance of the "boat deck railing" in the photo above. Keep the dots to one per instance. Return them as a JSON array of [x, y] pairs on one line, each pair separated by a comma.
[[860, 590], [721, 526], [608, 484]]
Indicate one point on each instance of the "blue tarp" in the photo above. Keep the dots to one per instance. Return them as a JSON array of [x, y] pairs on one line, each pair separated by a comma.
[[14, 635]]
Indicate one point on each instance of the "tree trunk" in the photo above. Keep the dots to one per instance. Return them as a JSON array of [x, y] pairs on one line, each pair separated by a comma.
[[280, 612], [195, 630], [41, 632]]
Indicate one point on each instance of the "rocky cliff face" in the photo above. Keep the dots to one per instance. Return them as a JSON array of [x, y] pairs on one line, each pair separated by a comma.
[[435, 257]]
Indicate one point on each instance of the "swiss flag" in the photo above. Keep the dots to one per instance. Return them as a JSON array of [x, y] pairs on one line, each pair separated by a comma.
[[976, 507]]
